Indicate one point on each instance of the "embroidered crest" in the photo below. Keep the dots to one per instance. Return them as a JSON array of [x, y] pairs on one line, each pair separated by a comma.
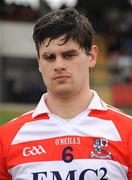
[[101, 149]]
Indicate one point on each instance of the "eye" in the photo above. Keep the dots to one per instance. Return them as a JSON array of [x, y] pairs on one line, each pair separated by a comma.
[[48, 57], [69, 56]]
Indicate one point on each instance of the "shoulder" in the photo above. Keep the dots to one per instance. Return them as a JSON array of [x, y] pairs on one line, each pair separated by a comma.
[[119, 113], [10, 129], [120, 119], [111, 113]]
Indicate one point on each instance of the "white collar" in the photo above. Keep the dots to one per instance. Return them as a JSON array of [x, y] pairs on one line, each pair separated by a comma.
[[95, 104]]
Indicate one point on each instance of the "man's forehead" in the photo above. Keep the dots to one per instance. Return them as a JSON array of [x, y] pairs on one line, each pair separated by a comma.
[[60, 41]]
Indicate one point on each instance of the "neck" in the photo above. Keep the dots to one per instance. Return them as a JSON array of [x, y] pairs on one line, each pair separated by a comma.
[[68, 107]]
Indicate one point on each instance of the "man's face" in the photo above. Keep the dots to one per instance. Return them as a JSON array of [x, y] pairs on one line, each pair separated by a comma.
[[65, 68]]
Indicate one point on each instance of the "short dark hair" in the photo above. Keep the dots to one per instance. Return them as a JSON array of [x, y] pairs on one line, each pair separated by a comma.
[[68, 22]]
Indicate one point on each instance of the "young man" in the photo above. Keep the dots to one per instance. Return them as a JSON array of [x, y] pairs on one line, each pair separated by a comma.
[[72, 134]]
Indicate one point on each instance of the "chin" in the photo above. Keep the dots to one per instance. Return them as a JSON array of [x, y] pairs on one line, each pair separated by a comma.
[[64, 93]]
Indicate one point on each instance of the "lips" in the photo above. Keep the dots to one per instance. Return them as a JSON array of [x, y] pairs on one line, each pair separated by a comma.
[[61, 77]]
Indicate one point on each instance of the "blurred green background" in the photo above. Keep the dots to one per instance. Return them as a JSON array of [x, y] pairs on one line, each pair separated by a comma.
[[13, 110], [6, 116]]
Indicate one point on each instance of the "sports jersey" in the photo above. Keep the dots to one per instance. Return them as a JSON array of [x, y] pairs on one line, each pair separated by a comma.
[[94, 145]]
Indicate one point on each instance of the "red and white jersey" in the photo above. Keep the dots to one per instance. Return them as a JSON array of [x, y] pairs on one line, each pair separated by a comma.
[[95, 145]]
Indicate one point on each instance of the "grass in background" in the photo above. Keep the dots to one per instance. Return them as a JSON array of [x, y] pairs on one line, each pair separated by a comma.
[[127, 111], [6, 116]]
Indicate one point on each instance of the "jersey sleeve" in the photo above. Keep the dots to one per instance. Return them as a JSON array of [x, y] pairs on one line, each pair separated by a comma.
[[4, 175], [130, 155]]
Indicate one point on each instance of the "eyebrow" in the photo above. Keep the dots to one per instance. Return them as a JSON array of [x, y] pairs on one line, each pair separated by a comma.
[[64, 52], [48, 54], [70, 51]]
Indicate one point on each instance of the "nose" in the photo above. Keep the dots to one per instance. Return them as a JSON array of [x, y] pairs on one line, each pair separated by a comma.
[[59, 64]]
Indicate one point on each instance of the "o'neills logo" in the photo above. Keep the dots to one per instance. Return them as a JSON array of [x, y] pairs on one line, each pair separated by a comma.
[[101, 149], [33, 150], [67, 140]]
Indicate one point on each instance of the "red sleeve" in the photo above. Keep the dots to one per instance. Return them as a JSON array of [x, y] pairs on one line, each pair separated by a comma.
[[4, 175], [7, 133], [130, 155]]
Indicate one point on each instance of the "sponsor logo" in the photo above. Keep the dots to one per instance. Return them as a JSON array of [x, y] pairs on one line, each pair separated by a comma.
[[100, 174], [33, 150], [101, 149]]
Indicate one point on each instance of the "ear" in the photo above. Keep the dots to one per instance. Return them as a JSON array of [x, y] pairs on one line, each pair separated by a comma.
[[93, 53], [38, 60]]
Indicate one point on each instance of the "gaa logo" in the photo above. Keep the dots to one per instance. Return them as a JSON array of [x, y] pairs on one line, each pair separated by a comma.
[[33, 150]]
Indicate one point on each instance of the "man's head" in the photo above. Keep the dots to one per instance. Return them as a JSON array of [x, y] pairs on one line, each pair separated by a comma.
[[64, 42], [66, 22]]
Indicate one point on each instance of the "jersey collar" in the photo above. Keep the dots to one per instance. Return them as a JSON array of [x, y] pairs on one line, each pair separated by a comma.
[[95, 104]]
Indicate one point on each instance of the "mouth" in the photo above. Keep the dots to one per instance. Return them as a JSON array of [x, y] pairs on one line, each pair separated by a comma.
[[61, 78]]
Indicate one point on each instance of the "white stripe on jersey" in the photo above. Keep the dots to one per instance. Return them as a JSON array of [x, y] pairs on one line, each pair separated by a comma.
[[88, 126], [92, 169]]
